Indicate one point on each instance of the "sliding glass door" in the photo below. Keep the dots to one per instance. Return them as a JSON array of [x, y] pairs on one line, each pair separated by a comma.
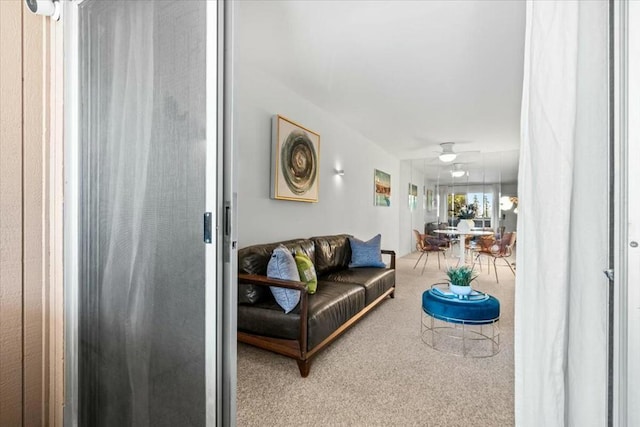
[[143, 324]]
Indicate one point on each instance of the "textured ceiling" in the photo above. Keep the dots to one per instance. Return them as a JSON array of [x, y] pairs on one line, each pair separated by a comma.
[[406, 74]]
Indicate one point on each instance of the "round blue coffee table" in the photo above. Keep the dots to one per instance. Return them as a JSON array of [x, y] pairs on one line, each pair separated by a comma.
[[448, 320]]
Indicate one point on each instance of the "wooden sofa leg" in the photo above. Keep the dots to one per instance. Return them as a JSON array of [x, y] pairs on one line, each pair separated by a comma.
[[392, 294], [304, 366]]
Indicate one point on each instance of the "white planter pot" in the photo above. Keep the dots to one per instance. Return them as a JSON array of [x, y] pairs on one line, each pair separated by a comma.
[[460, 290], [465, 225]]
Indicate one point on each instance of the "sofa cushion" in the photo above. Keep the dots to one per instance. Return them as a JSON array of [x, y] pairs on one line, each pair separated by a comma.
[[366, 254], [283, 266], [307, 272], [332, 306], [267, 318], [374, 280], [329, 308], [251, 294], [254, 260], [332, 253]]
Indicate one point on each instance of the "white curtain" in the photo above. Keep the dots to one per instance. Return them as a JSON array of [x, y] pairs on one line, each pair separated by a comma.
[[561, 292]]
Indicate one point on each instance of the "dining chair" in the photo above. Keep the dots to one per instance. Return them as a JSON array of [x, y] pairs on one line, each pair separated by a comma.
[[451, 239], [425, 245], [501, 231], [501, 249], [483, 245]]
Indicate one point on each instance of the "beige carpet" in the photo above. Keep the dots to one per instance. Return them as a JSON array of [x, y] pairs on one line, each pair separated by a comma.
[[381, 373]]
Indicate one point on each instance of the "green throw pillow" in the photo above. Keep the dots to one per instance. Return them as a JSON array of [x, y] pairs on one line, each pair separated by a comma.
[[307, 272]]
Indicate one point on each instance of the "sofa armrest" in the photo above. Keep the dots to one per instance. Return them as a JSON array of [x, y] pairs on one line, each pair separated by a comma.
[[256, 279], [393, 257]]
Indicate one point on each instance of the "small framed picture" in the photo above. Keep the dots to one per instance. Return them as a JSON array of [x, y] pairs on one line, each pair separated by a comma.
[[413, 196], [381, 188]]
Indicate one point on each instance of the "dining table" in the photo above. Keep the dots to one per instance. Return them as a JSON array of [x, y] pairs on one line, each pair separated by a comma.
[[462, 235]]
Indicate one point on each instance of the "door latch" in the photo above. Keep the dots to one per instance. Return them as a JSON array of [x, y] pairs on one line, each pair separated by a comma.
[[207, 227]]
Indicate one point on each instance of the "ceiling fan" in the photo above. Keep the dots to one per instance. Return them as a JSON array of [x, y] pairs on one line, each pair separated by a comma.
[[447, 154], [457, 171]]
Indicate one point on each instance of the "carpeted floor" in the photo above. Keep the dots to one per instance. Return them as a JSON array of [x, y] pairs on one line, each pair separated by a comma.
[[381, 373]]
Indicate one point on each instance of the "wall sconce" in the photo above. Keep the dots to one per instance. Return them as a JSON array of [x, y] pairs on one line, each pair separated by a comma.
[[339, 172], [508, 202], [505, 203]]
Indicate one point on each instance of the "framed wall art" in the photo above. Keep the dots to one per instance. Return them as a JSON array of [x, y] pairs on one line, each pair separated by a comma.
[[430, 200], [382, 188], [424, 198], [295, 159], [413, 196]]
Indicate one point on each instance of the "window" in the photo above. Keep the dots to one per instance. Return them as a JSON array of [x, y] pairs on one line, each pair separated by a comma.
[[483, 203]]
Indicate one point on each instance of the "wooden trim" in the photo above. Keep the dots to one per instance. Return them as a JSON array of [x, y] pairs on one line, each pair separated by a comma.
[[393, 257], [304, 316], [304, 366], [290, 348], [255, 279]]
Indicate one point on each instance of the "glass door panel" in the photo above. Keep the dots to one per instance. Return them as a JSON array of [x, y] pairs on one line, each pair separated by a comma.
[[142, 141]]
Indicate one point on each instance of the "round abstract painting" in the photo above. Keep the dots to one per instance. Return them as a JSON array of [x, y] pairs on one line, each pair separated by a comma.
[[299, 162]]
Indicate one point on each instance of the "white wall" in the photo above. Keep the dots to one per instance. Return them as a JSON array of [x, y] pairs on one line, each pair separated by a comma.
[[345, 203]]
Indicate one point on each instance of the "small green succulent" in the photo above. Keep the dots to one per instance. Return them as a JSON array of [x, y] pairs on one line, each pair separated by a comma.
[[461, 276]]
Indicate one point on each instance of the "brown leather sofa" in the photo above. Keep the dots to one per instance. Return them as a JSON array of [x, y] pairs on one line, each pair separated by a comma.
[[344, 295]]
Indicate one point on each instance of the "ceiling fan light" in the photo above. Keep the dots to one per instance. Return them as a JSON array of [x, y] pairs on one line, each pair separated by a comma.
[[457, 173], [447, 157]]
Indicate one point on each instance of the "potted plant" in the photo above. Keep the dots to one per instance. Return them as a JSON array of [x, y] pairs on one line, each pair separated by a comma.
[[465, 217], [467, 212], [460, 279]]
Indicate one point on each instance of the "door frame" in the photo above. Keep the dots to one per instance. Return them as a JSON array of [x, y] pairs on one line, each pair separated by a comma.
[[624, 370], [633, 219], [227, 218], [220, 257], [55, 189], [221, 199], [71, 219]]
